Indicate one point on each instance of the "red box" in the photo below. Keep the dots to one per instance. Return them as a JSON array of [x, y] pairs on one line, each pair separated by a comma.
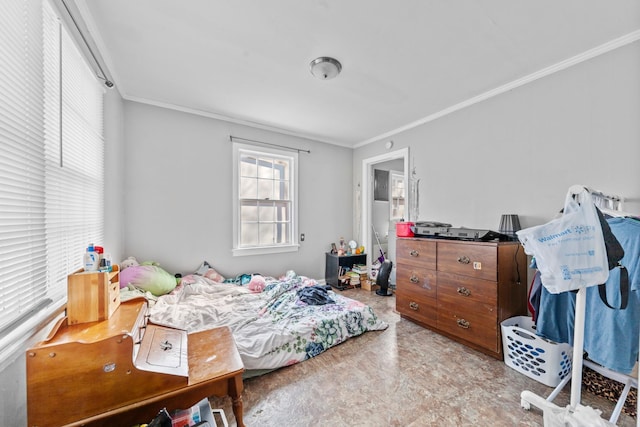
[[403, 229]]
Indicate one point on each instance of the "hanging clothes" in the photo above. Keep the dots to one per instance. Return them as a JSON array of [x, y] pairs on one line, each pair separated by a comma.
[[610, 335]]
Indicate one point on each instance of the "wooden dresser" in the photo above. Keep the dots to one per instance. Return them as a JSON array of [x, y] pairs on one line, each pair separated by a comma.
[[461, 289]]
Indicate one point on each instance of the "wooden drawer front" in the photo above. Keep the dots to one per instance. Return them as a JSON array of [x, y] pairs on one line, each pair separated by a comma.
[[469, 322], [417, 306], [471, 260], [463, 289], [420, 253], [415, 279], [114, 297]]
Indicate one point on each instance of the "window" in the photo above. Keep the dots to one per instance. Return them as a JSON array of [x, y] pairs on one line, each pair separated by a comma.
[[265, 210], [51, 163], [397, 195]]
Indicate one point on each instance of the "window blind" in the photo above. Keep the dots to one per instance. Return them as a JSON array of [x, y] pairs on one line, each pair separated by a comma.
[[22, 233], [51, 162]]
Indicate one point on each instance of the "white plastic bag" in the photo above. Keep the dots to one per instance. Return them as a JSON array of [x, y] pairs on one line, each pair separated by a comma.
[[569, 251]]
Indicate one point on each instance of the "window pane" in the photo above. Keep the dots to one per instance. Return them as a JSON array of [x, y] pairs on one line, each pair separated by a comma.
[[281, 190], [249, 212], [248, 188], [281, 169], [282, 233], [267, 213], [248, 166], [265, 168], [266, 234], [265, 189], [249, 234], [282, 212]]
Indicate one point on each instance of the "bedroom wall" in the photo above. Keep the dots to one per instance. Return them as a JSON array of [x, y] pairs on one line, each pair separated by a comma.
[[114, 178], [177, 194], [519, 152]]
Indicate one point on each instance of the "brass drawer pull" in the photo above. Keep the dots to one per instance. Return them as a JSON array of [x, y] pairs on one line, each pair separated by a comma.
[[413, 305], [464, 291], [414, 279], [463, 324], [414, 253], [464, 260]]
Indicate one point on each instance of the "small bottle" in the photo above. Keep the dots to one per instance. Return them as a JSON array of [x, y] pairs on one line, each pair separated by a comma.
[[91, 259]]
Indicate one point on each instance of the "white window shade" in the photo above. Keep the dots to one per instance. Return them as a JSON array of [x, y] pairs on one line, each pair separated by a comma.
[[22, 210], [51, 159], [74, 170]]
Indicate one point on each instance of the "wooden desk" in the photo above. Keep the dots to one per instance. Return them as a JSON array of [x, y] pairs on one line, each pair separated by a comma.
[[84, 375]]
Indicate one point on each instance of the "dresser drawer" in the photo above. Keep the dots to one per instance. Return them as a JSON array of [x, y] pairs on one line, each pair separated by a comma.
[[473, 260], [469, 322], [420, 253], [417, 306], [460, 289], [416, 279]]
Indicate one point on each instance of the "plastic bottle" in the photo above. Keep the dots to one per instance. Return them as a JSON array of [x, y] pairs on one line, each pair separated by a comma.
[[91, 259]]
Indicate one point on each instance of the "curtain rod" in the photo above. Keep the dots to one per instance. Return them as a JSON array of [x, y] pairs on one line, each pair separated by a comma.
[[299, 150], [108, 83]]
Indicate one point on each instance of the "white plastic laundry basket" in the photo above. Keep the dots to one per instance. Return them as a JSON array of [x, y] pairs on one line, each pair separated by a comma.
[[543, 360]]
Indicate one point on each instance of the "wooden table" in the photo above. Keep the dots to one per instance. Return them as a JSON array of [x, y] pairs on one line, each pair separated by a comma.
[[84, 375]]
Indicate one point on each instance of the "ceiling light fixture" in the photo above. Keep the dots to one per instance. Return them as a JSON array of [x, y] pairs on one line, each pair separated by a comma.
[[325, 68]]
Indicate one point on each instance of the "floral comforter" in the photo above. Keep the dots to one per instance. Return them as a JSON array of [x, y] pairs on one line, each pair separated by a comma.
[[272, 328]]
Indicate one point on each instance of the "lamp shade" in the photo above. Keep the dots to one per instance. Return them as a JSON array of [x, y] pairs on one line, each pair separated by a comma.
[[509, 224]]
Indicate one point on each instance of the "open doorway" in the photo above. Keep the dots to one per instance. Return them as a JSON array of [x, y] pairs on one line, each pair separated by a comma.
[[397, 162]]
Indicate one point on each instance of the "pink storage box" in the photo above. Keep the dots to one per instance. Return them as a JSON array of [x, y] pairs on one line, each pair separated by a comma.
[[403, 229]]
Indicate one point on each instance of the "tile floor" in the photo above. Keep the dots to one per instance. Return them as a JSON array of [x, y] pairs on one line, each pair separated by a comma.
[[403, 376]]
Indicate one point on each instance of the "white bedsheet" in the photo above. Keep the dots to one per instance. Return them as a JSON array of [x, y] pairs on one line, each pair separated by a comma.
[[273, 328]]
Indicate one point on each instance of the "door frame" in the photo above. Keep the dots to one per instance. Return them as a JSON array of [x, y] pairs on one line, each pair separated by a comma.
[[367, 195]]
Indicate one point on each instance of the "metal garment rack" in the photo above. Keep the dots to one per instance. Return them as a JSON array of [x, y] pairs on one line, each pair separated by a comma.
[[610, 205]]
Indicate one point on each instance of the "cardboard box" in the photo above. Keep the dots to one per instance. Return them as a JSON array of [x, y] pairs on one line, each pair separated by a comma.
[[368, 285]]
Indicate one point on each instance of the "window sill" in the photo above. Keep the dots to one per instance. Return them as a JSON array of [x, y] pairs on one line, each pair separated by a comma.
[[265, 250]]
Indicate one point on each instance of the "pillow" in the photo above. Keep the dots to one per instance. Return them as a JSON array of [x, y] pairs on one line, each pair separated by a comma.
[[149, 278], [209, 272]]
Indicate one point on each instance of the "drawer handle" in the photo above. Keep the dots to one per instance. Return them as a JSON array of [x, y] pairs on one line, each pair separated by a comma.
[[464, 260], [414, 279], [414, 253], [463, 324], [464, 291], [413, 305]]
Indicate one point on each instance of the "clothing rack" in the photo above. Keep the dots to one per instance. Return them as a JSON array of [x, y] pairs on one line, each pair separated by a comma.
[[611, 205]]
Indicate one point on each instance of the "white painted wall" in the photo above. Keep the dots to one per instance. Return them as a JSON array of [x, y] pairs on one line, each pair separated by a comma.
[[177, 194], [114, 178], [519, 152]]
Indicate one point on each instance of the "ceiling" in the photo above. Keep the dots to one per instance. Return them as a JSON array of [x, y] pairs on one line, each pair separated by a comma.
[[404, 63]]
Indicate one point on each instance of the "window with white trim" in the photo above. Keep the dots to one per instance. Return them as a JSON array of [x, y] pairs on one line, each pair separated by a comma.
[[51, 162], [397, 195], [265, 205]]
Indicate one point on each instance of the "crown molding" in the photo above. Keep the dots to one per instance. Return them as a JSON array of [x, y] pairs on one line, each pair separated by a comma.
[[562, 65]]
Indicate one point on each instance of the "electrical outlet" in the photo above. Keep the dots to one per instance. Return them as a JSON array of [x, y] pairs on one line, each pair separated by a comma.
[[302, 237]]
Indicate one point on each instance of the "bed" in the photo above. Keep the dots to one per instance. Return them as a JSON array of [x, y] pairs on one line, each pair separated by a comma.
[[273, 326]]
